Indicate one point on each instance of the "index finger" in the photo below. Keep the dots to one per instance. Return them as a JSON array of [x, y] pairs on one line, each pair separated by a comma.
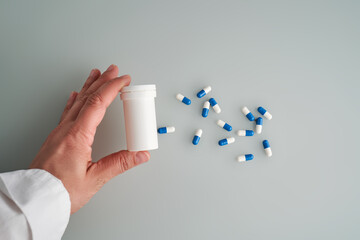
[[94, 108]]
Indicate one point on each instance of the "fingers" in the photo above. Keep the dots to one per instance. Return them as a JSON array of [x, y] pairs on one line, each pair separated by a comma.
[[93, 76], [111, 72], [68, 105], [93, 86], [94, 109], [117, 163]]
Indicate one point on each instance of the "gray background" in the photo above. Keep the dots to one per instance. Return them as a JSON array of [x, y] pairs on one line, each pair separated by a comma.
[[300, 59]]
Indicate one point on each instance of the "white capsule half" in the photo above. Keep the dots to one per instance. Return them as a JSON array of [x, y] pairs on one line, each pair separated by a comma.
[[206, 105], [230, 140], [268, 152], [220, 123], [241, 133], [207, 89], [268, 115], [245, 110], [198, 132], [170, 129], [258, 129], [217, 108], [180, 97], [241, 158]]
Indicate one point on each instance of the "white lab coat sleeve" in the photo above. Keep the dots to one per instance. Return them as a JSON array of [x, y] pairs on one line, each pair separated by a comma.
[[33, 205]]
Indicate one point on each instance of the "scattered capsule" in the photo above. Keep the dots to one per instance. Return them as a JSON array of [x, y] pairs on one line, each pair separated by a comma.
[[245, 133], [205, 110], [248, 114], [267, 148], [204, 91], [226, 141], [224, 125], [246, 157], [259, 123], [163, 130], [214, 105], [264, 113], [197, 137], [183, 99]]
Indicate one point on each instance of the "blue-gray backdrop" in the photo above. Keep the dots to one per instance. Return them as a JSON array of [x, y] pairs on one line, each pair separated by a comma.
[[300, 59]]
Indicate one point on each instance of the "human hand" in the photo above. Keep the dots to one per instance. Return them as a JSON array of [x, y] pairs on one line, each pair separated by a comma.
[[66, 153]]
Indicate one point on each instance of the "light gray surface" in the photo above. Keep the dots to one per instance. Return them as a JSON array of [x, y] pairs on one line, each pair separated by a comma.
[[298, 58]]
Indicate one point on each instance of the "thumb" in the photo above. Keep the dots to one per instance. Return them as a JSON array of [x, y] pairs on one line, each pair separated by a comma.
[[119, 162]]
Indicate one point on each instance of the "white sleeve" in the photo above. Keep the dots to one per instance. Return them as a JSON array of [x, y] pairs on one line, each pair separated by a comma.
[[33, 205]]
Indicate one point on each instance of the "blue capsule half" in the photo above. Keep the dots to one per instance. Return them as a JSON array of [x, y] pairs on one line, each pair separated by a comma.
[[223, 142], [196, 140], [205, 112], [212, 102], [249, 133], [227, 127], [261, 110], [250, 116], [186, 101], [266, 144], [249, 157], [259, 121], [201, 94], [162, 130]]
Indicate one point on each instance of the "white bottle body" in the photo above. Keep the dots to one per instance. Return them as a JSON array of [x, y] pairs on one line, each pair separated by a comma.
[[140, 117]]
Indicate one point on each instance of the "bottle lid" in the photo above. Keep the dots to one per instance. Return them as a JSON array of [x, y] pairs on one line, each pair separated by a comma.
[[139, 88]]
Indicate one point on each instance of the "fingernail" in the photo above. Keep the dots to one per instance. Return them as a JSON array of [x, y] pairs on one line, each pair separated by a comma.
[[142, 157], [111, 67], [72, 94], [92, 73]]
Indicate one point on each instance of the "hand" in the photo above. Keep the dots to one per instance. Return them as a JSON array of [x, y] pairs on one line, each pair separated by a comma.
[[66, 153]]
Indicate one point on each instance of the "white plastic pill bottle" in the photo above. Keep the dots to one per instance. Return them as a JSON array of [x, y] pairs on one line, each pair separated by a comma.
[[140, 117]]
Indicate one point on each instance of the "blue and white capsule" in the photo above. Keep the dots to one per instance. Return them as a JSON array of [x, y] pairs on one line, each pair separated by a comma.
[[248, 114], [215, 105], [197, 137], [205, 110], [224, 125], [259, 125], [246, 157], [164, 130], [226, 141], [245, 133], [267, 148], [183, 99], [203, 92], [265, 113]]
